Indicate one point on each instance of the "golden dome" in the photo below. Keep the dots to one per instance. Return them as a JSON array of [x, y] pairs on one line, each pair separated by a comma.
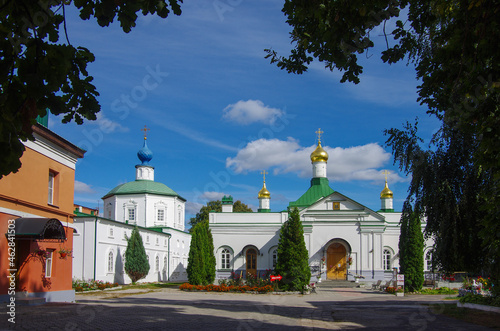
[[319, 154], [264, 193], [386, 193]]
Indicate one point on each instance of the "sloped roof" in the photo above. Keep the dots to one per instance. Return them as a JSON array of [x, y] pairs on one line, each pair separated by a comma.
[[319, 189], [143, 187]]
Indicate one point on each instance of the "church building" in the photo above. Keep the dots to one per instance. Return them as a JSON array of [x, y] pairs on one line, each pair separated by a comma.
[[156, 210], [345, 239]]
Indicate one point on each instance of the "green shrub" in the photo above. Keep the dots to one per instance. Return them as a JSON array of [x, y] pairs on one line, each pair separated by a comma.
[[136, 260]]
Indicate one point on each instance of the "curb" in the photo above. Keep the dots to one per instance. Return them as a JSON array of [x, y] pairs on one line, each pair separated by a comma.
[[479, 307]]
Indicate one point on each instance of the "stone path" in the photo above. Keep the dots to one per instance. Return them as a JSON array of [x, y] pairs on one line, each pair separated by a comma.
[[171, 309]]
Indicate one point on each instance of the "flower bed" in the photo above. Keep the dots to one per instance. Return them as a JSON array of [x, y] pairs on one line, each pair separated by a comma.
[[91, 285], [226, 288]]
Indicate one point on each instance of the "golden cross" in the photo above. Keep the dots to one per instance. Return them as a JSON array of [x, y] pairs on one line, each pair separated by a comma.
[[145, 129], [385, 172], [319, 132], [263, 172]]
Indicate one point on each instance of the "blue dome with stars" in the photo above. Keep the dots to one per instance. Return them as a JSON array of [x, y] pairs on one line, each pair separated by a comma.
[[145, 154]]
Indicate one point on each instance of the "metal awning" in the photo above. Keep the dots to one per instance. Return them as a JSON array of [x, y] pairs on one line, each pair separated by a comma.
[[39, 229]]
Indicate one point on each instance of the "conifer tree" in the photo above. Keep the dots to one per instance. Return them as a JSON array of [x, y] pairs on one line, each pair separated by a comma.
[[136, 260], [201, 260], [293, 257], [411, 249]]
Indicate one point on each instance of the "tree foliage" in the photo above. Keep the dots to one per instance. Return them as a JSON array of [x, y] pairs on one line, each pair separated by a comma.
[[446, 187], [41, 71], [411, 249], [293, 257], [454, 48], [201, 260], [136, 260], [216, 205]]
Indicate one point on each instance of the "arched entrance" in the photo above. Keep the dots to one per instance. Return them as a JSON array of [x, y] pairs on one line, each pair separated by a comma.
[[336, 258], [251, 259]]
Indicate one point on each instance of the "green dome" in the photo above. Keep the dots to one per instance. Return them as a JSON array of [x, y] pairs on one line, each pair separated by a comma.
[[142, 187]]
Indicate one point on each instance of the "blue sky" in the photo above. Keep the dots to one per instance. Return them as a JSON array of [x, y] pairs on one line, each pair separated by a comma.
[[219, 113]]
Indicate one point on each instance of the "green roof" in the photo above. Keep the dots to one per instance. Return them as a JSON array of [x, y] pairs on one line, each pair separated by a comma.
[[319, 189], [142, 187]]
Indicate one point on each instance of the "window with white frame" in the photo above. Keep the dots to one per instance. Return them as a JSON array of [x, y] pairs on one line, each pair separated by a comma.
[[110, 261], [428, 260], [165, 263], [157, 241], [111, 231], [274, 257], [147, 239], [131, 214], [157, 263], [51, 199], [160, 216], [225, 259], [48, 263], [123, 261], [386, 256], [166, 242]]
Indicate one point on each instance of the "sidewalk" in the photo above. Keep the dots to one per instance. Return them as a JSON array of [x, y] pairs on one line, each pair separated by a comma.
[[172, 309]]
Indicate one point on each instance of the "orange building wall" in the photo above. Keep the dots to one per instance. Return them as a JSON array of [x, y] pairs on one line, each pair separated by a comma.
[[27, 191], [31, 182]]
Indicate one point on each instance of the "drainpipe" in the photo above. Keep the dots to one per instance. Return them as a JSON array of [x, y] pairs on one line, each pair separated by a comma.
[[373, 255], [168, 258], [95, 244]]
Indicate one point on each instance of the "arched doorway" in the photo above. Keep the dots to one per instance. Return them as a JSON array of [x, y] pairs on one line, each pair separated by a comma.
[[251, 257], [336, 258]]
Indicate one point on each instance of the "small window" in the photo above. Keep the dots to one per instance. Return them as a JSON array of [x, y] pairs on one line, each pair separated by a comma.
[[387, 260], [147, 239], [166, 242], [160, 216], [225, 259], [165, 263], [157, 241], [275, 257], [51, 188], [131, 214], [336, 206], [157, 264], [428, 260], [48, 263], [110, 261], [111, 231]]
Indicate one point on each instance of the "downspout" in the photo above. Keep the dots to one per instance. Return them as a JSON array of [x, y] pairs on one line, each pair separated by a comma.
[[373, 255], [168, 258], [95, 244]]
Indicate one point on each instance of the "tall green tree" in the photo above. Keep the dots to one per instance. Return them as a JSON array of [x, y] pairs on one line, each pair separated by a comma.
[[40, 70], [411, 249], [136, 260], [216, 205], [201, 260], [293, 257]]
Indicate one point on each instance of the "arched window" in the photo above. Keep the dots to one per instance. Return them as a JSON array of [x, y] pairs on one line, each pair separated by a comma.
[[225, 259], [387, 259], [110, 261], [157, 264], [165, 263], [428, 260]]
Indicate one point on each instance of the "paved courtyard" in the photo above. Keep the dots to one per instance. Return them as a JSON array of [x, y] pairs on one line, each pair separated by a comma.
[[171, 309]]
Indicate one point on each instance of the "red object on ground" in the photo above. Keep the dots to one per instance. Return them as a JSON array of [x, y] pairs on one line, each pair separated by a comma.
[[273, 278]]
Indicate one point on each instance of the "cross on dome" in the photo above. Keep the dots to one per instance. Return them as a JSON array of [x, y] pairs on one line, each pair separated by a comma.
[[145, 129], [319, 133], [263, 172]]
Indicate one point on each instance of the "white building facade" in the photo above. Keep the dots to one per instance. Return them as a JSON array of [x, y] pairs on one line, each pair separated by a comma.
[[344, 238], [157, 211]]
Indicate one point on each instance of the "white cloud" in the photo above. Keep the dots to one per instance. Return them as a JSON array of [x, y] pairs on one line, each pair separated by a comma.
[[108, 126], [81, 187], [344, 164], [192, 208], [251, 111], [209, 196]]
